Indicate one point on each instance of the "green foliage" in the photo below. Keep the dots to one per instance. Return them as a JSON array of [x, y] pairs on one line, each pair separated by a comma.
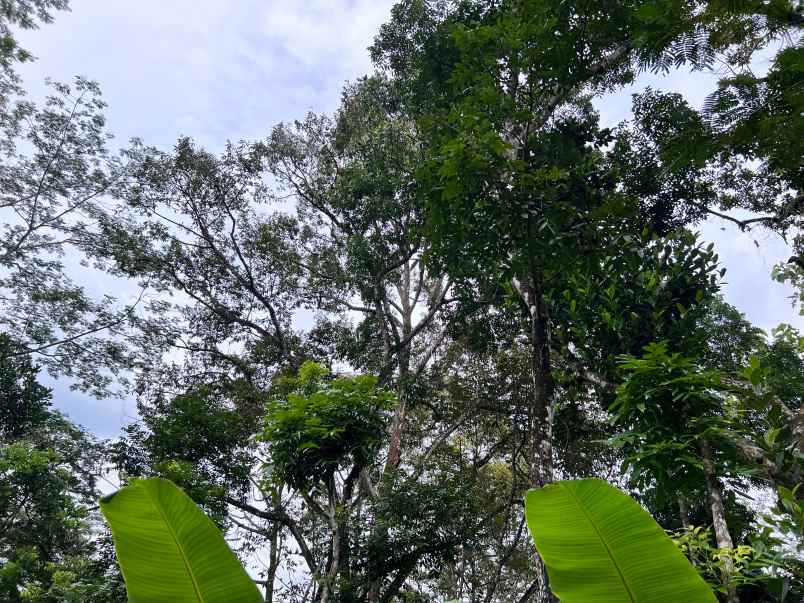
[[240, 268], [674, 407], [464, 229], [21, 14], [792, 272], [668, 404], [23, 402], [644, 288], [652, 156], [748, 565], [425, 523], [51, 549], [761, 117], [783, 538], [169, 550], [200, 440], [324, 426], [790, 504], [55, 166], [599, 544]]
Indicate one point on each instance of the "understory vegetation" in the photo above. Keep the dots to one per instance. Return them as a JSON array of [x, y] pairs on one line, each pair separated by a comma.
[[414, 350]]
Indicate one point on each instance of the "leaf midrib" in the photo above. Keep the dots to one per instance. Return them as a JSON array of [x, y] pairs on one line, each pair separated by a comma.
[[578, 504], [173, 535]]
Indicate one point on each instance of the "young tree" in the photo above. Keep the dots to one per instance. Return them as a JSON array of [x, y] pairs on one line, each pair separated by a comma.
[[691, 423]]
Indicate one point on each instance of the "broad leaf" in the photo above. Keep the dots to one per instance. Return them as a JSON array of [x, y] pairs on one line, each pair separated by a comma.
[[599, 545], [169, 550]]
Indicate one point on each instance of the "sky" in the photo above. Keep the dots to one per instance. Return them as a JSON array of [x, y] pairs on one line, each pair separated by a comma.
[[218, 71]]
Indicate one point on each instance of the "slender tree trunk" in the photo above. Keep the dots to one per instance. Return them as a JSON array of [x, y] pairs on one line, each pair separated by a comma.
[[542, 404], [330, 576], [683, 512], [542, 418], [722, 536], [328, 587], [395, 433], [345, 555], [397, 428], [541, 409], [400, 413], [273, 565]]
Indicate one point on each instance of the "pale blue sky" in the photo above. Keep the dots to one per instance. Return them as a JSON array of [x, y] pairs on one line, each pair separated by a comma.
[[229, 70]]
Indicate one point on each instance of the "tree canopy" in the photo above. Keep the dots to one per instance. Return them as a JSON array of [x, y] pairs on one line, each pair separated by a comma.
[[360, 340]]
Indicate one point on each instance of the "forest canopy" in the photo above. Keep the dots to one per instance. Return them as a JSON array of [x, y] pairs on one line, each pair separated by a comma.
[[358, 341]]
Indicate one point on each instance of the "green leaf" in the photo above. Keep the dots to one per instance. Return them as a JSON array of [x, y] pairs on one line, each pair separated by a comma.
[[599, 545], [169, 550]]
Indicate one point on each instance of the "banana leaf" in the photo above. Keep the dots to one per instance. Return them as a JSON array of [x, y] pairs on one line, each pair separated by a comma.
[[169, 550], [600, 546]]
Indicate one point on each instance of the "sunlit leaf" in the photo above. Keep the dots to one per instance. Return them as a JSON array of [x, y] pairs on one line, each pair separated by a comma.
[[169, 550]]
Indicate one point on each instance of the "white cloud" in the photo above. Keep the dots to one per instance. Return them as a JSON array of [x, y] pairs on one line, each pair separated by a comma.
[[212, 70]]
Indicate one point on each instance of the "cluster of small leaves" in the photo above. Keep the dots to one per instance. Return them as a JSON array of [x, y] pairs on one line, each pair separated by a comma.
[[749, 566], [644, 288], [793, 273], [776, 376], [667, 405], [21, 14], [324, 426], [423, 523], [200, 440]]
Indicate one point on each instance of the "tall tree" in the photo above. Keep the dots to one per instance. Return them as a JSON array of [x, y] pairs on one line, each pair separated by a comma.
[[198, 225], [515, 184]]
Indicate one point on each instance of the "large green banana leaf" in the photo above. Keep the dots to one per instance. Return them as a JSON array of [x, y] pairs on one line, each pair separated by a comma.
[[600, 546], [169, 550]]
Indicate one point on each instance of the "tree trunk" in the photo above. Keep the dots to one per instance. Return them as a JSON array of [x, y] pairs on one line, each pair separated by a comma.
[[273, 565], [396, 431], [398, 421], [683, 512], [542, 403], [330, 576], [397, 428], [722, 536], [541, 408], [542, 422]]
